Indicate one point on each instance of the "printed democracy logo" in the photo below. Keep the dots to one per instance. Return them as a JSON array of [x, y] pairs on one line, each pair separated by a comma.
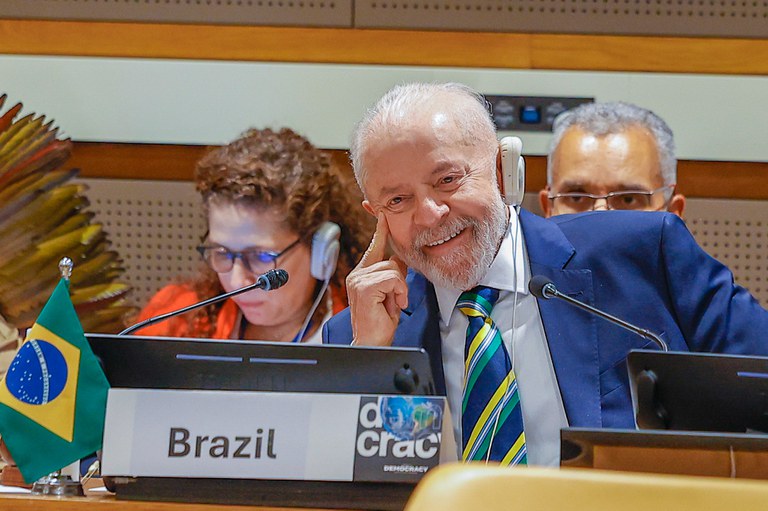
[[410, 418], [398, 437]]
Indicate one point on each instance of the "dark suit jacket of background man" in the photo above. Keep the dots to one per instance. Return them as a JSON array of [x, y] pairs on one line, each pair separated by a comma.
[[644, 268]]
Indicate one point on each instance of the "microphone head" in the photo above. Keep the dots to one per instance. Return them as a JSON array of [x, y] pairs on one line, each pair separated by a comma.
[[541, 287], [273, 279]]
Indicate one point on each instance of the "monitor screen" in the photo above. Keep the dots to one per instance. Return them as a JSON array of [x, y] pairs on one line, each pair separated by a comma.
[[699, 391], [175, 363]]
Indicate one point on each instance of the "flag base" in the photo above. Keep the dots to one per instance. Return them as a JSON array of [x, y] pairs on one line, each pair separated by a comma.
[[57, 485]]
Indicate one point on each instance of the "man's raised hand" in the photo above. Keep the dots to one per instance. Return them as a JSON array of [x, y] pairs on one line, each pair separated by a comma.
[[377, 292]]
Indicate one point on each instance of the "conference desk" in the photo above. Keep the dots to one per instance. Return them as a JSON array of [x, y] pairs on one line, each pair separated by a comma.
[[469, 487], [97, 499], [108, 502]]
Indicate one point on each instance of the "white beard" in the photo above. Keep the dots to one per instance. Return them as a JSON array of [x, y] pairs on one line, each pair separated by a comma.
[[465, 267]]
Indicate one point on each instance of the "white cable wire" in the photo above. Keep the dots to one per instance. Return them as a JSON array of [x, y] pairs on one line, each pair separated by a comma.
[[315, 304]]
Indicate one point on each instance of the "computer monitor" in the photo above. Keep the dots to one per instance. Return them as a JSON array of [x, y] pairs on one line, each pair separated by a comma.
[[206, 364], [699, 391]]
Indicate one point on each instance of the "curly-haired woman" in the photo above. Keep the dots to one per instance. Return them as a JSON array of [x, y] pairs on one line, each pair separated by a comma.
[[265, 195]]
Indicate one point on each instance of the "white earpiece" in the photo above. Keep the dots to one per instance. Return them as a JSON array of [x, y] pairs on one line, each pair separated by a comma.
[[512, 170], [325, 251]]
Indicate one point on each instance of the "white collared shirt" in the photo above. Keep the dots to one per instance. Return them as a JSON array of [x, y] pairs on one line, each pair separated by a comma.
[[542, 404]]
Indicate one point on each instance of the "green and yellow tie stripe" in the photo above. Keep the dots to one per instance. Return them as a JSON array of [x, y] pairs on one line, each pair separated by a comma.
[[491, 419]]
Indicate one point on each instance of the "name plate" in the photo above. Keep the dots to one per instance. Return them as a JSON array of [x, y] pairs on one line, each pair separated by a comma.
[[274, 435]]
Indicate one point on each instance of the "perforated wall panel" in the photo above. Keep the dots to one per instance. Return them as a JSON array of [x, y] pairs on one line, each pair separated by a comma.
[[336, 13], [154, 226], [736, 233], [725, 18], [649, 17]]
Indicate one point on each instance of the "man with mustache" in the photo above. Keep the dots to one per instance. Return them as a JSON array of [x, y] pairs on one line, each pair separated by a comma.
[[613, 156], [515, 371]]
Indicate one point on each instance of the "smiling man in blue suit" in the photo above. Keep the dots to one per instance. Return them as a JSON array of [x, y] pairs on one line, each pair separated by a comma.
[[516, 370]]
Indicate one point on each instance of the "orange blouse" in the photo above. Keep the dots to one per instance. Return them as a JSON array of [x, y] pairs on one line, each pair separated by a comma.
[[177, 296]]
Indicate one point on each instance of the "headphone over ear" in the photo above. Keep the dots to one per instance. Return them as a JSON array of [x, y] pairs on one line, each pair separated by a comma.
[[325, 251], [512, 170]]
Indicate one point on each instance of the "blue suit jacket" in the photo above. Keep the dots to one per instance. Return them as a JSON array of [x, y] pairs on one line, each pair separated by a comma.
[[645, 268]]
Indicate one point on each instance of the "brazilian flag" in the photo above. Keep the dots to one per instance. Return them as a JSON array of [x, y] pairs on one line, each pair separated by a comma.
[[53, 397]]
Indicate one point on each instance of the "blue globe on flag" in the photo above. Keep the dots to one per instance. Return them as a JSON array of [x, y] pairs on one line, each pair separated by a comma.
[[410, 418], [38, 373]]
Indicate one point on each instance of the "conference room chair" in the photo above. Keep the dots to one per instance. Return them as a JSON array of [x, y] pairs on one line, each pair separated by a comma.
[[477, 486]]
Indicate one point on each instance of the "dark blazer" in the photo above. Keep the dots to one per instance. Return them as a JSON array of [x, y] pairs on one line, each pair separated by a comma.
[[643, 267]]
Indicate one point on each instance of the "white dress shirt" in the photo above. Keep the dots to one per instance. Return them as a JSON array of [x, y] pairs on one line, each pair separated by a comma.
[[542, 404]]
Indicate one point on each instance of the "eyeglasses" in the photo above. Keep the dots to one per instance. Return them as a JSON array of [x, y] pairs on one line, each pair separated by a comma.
[[222, 260], [577, 202]]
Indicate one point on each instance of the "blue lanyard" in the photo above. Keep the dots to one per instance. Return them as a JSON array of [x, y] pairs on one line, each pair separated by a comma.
[[297, 339]]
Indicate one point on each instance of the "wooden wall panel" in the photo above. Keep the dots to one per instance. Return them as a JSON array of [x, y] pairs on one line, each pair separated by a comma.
[[135, 161], [269, 44], [738, 180], [651, 54], [391, 47]]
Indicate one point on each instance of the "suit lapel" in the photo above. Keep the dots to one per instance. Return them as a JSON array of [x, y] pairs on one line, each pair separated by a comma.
[[420, 326], [571, 333]]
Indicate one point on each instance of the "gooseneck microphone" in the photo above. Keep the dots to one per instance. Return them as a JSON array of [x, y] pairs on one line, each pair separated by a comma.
[[541, 287], [268, 281]]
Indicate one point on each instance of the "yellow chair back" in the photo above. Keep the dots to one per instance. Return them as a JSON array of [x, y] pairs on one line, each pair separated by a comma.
[[476, 486]]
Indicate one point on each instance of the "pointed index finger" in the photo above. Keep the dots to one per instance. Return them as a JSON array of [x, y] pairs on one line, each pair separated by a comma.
[[377, 249]]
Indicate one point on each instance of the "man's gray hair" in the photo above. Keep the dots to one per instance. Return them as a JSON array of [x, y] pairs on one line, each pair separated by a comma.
[[394, 111], [602, 119]]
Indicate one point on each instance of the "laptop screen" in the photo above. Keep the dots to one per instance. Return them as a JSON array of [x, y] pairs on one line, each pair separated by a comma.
[[699, 391], [176, 363]]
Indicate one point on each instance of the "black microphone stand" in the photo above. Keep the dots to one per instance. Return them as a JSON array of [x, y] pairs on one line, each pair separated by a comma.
[[541, 287]]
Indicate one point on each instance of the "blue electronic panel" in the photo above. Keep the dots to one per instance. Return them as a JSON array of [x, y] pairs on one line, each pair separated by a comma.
[[530, 114]]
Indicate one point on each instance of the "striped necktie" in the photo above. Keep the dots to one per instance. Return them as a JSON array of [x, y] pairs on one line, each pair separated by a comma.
[[490, 413]]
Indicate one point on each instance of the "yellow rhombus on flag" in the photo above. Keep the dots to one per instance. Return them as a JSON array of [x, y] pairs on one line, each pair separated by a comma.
[[53, 397]]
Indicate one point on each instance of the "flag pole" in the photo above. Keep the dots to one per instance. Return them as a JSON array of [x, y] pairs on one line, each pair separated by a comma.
[[56, 483]]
